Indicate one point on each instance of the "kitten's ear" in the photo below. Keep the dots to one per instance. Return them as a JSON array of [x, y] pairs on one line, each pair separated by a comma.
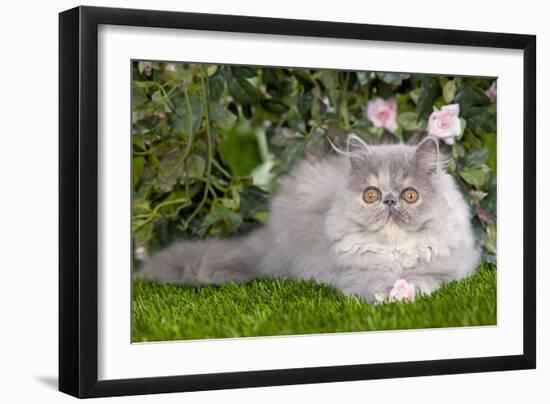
[[358, 150], [355, 143], [426, 156]]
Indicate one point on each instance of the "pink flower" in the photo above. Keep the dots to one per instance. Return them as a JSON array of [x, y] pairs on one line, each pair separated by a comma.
[[491, 92], [383, 113], [402, 290], [445, 123]]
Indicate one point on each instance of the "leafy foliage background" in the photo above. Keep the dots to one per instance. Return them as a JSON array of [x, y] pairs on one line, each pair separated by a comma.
[[210, 141]]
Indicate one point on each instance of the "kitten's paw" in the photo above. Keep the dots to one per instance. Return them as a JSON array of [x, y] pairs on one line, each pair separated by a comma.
[[380, 297], [402, 291]]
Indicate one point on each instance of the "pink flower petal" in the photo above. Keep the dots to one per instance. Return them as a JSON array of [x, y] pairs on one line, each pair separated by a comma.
[[452, 109], [383, 113], [402, 290], [491, 92], [445, 123]]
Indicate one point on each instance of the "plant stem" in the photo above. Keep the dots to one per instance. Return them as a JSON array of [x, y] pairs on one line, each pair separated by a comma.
[[343, 102], [221, 169], [190, 140], [206, 104], [183, 201]]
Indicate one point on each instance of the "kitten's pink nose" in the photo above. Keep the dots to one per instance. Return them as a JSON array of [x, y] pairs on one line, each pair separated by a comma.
[[390, 199]]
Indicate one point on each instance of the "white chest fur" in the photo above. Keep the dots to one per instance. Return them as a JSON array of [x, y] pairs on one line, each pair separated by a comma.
[[391, 247]]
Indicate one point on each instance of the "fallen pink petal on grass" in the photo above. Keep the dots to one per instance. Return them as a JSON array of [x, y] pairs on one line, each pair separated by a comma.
[[402, 291]]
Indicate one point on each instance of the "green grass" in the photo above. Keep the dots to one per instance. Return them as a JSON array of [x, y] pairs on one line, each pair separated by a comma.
[[281, 307]]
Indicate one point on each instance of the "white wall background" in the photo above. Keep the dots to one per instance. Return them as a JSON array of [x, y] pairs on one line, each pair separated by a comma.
[[28, 199]]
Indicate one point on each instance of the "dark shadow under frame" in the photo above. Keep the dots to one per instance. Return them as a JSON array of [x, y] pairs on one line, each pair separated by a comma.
[[78, 192]]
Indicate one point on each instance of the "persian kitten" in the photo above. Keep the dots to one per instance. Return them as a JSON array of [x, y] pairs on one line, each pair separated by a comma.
[[383, 222]]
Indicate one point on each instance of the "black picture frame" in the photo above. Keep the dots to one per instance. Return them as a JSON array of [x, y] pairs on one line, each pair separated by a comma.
[[78, 201]]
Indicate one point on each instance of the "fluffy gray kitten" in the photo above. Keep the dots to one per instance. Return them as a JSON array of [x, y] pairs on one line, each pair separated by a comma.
[[359, 221]]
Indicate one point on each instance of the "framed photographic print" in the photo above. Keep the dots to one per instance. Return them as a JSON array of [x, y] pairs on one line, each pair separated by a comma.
[[252, 201]]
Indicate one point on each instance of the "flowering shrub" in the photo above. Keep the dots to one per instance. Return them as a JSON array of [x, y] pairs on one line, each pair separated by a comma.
[[209, 141]]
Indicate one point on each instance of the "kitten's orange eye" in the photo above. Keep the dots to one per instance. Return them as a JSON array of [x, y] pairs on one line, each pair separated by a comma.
[[371, 195], [410, 195]]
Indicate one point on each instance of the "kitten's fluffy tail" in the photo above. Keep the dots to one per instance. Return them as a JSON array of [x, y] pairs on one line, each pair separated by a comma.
[[211, 261]]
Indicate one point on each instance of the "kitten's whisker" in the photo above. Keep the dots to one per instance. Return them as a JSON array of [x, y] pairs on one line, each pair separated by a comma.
[[402, 216], [336, 148], [379, 213]]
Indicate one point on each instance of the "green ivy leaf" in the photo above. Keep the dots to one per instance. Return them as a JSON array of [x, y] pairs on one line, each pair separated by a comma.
[[270, 76], [491, 242], [285, 136], [415, 95], [157, 97], [291, 154], [378, 132], [211, 70], [449, 90], [451, 165], [304, 102], [480, 120], [187, 117], [470, 95], [298, 124], [262, 175], [160, 99], [171, 205], [463, 125], [142, 231], [241, 90], [221, 221], [240, 151], [274, 106], [139, 142], [171, 168], [262, 217], [477, 157], [140, 206], [195, 166], [364, 77], [390, 78], [243, 71], [230, 203], [408, 120], [216, 85], [137, 168], [430, 91], [471, 141], [221, 115], [139, 96], [490, 142], [184, 73], [253, 200], [476, 176]]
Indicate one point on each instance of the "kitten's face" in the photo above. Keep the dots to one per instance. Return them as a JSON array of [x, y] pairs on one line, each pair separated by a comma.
[[391, 185]]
